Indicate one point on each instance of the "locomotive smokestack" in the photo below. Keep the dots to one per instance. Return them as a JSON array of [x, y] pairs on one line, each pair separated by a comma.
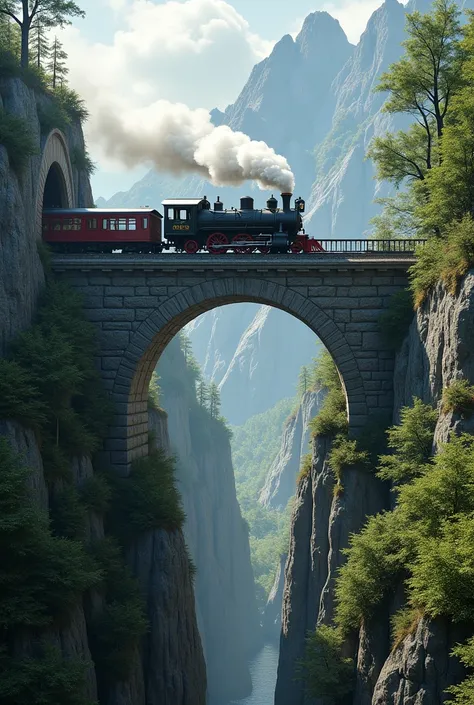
[[286, 198]]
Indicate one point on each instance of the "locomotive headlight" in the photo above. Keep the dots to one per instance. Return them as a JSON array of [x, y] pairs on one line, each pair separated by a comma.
[[300, 205]]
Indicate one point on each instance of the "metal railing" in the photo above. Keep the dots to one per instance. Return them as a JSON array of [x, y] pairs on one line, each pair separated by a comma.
[[369, 246]]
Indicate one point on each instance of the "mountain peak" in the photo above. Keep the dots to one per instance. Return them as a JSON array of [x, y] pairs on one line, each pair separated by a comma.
[[320, 33]]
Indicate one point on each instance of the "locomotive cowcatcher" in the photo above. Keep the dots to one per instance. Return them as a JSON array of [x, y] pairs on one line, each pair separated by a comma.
[[190, 225]]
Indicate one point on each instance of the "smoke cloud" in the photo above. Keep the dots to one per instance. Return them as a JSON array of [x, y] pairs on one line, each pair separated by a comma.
[[179, 140]]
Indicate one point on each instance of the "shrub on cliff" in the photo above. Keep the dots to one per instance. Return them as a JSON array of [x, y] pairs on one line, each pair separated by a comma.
[[464, 693], [458, 397], [42, 576], [17, 138], [326, 672], [46, 677], [147, 499], [411, 443], [116, 629]]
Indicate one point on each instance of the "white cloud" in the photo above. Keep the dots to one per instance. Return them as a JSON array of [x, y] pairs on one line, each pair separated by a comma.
[[197, 52]]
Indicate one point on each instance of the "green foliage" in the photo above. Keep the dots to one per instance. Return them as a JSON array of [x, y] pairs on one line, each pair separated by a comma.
[[447, 260], [19, 397], [411, 443], [68, 515], [304, 380], [42, 576], [375, 560], [154, 393], [71, 104], [305, 468], [332, 418], [458, 397], [404, 622], [402, 155], [147, 499], [95, 494], [395, 321], [442, 576], [327, 673], [46, 678], [464, 693], [81, 159], [116, 631], [345, 454], [51, 115], [17, 138]]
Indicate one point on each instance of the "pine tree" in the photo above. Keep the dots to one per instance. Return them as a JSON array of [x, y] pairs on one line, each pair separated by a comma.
[[304, 380], [185, 345], [202, 393], [50, 13], [57, 64], [40, 49], [214, 400]]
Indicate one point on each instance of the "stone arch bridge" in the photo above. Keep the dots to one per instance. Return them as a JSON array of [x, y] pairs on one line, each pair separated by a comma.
[[138, 303]]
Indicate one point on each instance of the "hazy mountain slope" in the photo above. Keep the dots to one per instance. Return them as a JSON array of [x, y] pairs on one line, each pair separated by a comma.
[[254, 353]]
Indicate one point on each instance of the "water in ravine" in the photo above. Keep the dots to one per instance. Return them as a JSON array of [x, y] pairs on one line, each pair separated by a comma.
[[264, 674]]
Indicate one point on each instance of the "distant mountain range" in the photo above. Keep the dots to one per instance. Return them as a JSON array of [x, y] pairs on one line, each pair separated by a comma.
[[312, 100]]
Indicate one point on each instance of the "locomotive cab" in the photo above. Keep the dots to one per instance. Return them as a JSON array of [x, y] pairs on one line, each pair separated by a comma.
[[181, 220]]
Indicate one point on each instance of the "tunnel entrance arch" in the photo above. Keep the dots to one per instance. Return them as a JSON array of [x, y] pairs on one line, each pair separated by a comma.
[[129, 436], [55, 182]]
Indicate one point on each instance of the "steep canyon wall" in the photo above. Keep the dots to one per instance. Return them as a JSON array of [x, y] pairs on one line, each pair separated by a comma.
[[437, 350]]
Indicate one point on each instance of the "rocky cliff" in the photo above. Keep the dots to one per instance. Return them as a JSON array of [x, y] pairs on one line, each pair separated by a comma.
[[281, 479], [437, 350], [215, 533], [168, 667]]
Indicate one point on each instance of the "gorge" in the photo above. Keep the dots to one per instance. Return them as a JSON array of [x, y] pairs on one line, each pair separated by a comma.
[[192, 510]]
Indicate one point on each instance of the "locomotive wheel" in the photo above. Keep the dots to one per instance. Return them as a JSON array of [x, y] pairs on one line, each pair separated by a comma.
[[264, 250], [191, 247], [296, 248], [242, 237], [217, 239]]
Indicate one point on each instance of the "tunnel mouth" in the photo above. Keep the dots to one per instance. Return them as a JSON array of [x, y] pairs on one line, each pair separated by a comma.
[[55, 195]]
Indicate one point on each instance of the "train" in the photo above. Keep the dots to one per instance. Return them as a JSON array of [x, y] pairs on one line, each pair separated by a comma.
[[188, 225]]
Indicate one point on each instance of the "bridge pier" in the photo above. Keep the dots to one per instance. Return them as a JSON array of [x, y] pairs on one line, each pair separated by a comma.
[[139, 303]]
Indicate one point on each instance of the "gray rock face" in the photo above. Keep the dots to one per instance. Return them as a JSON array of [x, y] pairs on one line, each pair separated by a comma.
[[420, 669], [218, 541], [271, 621], [281, 479], [254, 353], [438, 349]]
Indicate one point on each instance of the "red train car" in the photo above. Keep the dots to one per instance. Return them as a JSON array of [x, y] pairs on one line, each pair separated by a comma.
[[103, 230]]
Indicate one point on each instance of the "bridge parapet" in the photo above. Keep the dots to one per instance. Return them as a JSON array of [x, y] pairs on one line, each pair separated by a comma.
[[138, 303]]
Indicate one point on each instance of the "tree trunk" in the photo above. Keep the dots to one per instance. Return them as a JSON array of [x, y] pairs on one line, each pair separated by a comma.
[[25, 37]]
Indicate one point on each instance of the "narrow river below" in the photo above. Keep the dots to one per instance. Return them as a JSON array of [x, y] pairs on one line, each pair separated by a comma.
[[264, 673]]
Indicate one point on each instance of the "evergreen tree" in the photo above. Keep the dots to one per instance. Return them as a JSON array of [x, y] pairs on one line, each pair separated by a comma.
[[40, 50], [304, 380], [202, 393], [185, 345], [214, 400], [57, 64], [50, 13]]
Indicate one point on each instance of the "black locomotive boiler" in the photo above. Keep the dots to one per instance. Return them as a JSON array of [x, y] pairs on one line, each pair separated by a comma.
[[190, 224]]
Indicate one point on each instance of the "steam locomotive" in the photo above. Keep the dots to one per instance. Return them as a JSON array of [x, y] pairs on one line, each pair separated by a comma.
[[189, 225]]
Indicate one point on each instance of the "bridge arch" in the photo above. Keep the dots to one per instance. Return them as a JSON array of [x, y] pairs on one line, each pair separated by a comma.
[[55, 182], [129, 436]]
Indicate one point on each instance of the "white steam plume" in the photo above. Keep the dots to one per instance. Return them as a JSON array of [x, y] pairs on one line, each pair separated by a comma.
[[180, 140]]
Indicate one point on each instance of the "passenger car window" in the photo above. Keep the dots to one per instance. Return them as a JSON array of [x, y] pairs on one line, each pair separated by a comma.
[[112, 224], [145, 223], [105, 224], [132, 223], [122, 224], [92, 224], [76, 224]]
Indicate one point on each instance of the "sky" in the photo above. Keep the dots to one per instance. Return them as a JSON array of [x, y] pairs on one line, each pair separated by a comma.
[[128, 56]]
